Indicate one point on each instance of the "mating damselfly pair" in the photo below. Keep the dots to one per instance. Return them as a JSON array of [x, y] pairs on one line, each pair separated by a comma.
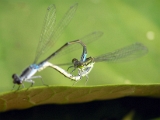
[[50, 34]]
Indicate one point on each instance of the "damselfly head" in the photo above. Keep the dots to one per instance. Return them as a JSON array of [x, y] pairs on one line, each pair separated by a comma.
[[76, 63], [16, 79], [74, 60]]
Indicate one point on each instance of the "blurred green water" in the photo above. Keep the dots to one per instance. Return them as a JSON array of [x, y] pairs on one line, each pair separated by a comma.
[[123, 23]]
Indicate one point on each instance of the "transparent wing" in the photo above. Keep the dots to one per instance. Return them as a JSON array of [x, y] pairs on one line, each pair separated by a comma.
[[47, 30], [64, 21], [124, 54], [86, 40], [50, 32], [72, 47]]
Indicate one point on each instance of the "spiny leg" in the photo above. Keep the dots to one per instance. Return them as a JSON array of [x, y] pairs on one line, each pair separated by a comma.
[[34, 77], [43, 82], [87, 78], [69, 67], [75, 82], [79, 73], [13, 86], [18, 87], [32, 82], [23, 85], [72, 70]]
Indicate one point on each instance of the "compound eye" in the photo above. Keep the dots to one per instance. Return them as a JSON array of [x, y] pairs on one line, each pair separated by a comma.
[[74, 60], [16, 79], [13, 76]]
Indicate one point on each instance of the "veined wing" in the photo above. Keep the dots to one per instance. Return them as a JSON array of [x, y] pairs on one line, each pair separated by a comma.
[[86, 40], [47, 31], [127, 53], [50, 33]]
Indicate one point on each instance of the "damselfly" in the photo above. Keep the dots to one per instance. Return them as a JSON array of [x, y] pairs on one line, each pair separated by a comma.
[[127, 53], [50, 33], [72, 46]]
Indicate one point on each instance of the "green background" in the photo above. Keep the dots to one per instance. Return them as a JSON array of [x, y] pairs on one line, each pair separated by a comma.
[[123, 23]]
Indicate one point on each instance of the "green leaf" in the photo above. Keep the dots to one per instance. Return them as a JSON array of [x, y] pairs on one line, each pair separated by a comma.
[[123, 23], [26, 98]]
